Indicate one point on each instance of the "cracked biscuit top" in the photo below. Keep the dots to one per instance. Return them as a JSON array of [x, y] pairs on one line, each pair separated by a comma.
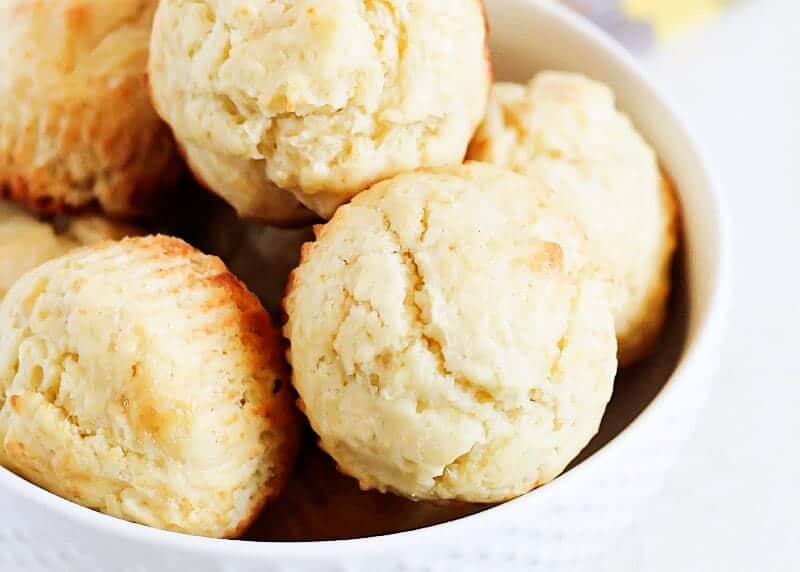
[[321, 97], [566, 129], [77, 128], [446, 338], [141, 379]]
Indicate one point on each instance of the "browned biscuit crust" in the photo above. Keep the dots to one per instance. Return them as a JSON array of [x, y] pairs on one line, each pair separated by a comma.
[[77, 129]]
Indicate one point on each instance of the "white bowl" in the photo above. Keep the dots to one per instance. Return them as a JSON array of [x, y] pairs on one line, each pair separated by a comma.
[[652, 413]]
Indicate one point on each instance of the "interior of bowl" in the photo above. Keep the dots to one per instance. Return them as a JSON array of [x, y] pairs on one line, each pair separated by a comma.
[[528, 36]]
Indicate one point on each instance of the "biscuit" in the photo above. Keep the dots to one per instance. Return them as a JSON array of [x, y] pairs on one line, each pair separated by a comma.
[[26, 242], [141, 379], [446, 340], [317, 99], [77, 129], [566, 130]]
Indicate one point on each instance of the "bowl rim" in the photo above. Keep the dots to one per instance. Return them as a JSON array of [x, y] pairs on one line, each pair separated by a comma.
[[709, 329]]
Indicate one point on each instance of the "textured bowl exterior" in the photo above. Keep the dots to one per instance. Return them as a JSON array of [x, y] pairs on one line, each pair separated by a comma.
[[564, 523]]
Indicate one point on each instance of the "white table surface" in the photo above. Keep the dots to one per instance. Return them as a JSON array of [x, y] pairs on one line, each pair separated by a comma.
[[731, 502]]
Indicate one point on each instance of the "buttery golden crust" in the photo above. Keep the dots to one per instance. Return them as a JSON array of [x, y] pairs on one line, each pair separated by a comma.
[[565, 129], [142, 379], [77, 129], [26, 242], [356, 92], [446, 338]]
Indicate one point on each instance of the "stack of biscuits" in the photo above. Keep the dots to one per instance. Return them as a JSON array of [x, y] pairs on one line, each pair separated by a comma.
[[410, 273]]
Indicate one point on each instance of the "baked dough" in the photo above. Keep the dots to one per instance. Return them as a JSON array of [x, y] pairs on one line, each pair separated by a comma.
[[142, 379], [77, 129], [446, 339], [315, 100], [565, 129]]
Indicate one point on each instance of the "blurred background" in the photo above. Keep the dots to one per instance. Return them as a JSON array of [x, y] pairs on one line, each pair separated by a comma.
[[640, 24], [733, 69]]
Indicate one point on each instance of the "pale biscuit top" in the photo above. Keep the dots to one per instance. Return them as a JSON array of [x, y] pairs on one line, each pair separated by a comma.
[[26, 242], [445, 339], [324, 96], [76, 124], [141, 379], [565, 129]]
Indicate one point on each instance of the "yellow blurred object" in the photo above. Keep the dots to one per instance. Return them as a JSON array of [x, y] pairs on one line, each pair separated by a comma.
[[666, 16]]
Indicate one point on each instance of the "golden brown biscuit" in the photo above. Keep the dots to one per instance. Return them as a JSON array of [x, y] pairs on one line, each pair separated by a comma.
[[446, 339], [77, 128], [142, 379], [26, 242], [313, 101], [565, 129]]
